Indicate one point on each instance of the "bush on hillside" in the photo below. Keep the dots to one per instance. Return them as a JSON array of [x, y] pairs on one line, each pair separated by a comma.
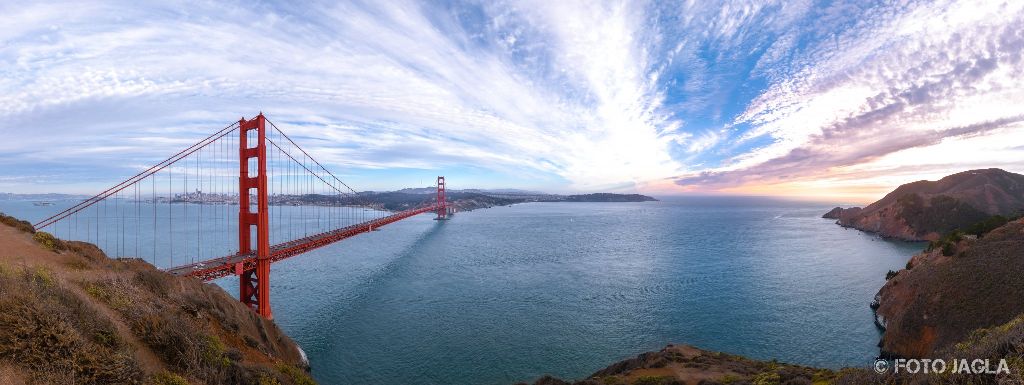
[[947, 243], [17, 223], [890, 274], [49, 241], [47, 330], [940, 214], [984, 227]]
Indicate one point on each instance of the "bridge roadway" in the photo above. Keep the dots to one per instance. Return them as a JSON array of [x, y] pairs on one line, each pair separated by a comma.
[[235, 264]]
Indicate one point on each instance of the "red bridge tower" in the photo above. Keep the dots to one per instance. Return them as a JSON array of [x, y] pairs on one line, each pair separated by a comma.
[[254, 284], [442, 201]]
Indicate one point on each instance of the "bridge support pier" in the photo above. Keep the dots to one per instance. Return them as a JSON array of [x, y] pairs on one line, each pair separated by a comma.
[[254, 281]]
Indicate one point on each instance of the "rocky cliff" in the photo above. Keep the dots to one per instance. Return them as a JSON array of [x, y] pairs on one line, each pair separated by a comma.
[[946, 292], [70, 315], [687, 365], [924, 210]]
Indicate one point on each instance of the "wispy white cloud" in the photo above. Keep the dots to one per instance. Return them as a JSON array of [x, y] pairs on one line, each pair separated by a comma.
[[585, 95], [899, 78], [565, 89]]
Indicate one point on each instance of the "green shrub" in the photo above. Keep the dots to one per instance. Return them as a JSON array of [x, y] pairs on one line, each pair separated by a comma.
[[77, 264], [97, 291], [109, 293], [948, 249], [654, 380], [167, 378], [214, 354], [890, 274], [729, 379], [267, 380], [21, 225], [987, 225], [940, 214], [42, 276], [298, 376], [767, 378], [49, 241]]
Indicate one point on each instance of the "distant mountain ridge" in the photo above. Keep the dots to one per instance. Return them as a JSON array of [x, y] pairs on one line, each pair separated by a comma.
[[924, 210], [508, 196], [41, 197]]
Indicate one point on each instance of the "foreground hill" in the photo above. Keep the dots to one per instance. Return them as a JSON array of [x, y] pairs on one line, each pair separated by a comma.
[[686, 365], [946, 292], [70, 315], [680, 364], [924, 210]]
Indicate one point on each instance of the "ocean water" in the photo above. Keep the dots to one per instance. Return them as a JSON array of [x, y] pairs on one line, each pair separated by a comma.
[[508, 294]]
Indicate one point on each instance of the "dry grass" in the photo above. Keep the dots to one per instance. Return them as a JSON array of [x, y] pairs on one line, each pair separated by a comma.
[[47, 329], [175, 329], [78, 317]]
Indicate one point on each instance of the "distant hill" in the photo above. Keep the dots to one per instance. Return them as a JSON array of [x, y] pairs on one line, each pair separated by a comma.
[[924, 210], [528, 196], [462, 200], [40, 197], [500, 191], [397, 200], [606, 197]]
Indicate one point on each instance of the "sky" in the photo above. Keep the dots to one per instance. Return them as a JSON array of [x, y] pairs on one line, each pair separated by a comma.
[[789, 98]]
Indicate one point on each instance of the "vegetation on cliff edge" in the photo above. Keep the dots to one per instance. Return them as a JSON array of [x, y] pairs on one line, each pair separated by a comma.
[[69, 314]]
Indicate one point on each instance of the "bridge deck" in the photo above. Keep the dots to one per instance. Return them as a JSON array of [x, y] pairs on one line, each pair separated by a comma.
[[234, 264]]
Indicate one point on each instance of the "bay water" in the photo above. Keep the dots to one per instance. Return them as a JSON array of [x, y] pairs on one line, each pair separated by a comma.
[[507, 294]]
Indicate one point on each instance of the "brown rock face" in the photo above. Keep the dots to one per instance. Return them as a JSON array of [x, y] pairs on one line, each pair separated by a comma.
[[941, 299], [836, 213], [924, 210], [687, 365]]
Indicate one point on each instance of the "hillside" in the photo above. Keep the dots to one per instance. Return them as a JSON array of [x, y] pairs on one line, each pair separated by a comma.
[[924, 210], [686, 365], [70, 315], [681, 364], [947, 292]]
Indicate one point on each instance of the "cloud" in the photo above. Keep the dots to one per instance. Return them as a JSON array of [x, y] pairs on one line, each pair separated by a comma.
[[563, 88], [579, 95], [903, 79]]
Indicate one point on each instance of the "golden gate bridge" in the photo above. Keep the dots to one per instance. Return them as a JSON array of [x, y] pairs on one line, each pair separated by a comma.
[[177, 213]]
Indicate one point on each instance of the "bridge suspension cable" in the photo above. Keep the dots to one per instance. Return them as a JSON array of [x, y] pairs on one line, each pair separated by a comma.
[[229, 204]]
